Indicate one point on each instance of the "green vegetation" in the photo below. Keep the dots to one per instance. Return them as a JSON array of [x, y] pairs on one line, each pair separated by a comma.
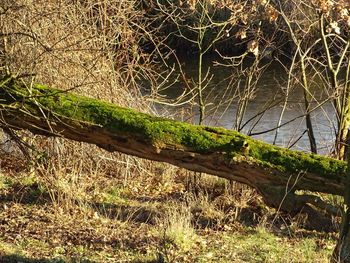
[[67, 201], [187, 228], [161, 131]]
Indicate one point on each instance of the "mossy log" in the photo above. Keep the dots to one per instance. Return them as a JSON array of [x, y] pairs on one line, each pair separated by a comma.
[[275, 172]]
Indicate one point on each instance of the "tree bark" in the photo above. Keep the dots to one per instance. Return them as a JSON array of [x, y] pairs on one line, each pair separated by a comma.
[[275, 172], [341, 252]]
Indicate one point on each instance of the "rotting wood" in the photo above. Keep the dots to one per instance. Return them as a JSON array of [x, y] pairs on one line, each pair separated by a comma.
[[275, 172]]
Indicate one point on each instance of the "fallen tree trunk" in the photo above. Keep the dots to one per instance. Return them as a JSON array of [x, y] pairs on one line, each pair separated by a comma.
[[275, 172]]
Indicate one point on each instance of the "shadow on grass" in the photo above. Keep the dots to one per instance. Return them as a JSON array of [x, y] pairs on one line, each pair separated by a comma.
[[143, 213], [140, 214], [21, 259], [248, 216], [28, 194], [17, 258]]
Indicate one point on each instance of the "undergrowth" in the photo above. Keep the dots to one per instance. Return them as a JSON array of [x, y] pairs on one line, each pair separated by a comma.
[[63, 201], [105, 215]]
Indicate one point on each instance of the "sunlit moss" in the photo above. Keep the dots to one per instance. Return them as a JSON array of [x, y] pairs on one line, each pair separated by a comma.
[[161, 131]]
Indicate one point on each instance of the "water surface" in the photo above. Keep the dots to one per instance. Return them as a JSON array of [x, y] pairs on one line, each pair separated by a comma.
[[222, 96]]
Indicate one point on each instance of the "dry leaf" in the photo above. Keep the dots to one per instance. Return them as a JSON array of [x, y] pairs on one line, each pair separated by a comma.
[[253, 47]]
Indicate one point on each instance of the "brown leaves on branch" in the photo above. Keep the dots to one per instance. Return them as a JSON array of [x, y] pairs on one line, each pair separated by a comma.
[[337, 12], [271, 13], [242, 11], [253, 47]]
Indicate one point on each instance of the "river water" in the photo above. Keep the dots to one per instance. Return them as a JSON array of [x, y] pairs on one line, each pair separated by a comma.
[[222, 96]]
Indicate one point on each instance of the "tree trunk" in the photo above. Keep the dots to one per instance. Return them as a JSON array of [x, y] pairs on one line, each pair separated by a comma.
[[341, 252], [275, 172]]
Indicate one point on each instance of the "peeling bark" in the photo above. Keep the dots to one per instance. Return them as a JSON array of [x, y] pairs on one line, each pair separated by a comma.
[[275, 172]]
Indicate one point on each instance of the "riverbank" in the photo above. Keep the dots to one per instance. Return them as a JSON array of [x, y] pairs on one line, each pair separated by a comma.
[[63, 201], [152, 218]]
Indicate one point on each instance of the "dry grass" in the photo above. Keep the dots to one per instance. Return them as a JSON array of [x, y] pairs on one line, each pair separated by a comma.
[[72, 202], [81, 45], [110, 221]]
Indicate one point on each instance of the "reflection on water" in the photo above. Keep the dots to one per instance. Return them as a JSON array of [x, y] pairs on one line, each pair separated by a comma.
[[222, 96]]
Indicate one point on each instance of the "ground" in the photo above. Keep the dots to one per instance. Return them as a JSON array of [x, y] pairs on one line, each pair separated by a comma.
[[169, 215]]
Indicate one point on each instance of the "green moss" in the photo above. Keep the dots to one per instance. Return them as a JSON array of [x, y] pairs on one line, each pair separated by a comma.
[[5, 182], [161, 131], [260, 245], [116, 195], [297, 161]]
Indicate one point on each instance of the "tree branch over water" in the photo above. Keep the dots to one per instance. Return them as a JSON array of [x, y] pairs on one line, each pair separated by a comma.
[[275, 172]]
